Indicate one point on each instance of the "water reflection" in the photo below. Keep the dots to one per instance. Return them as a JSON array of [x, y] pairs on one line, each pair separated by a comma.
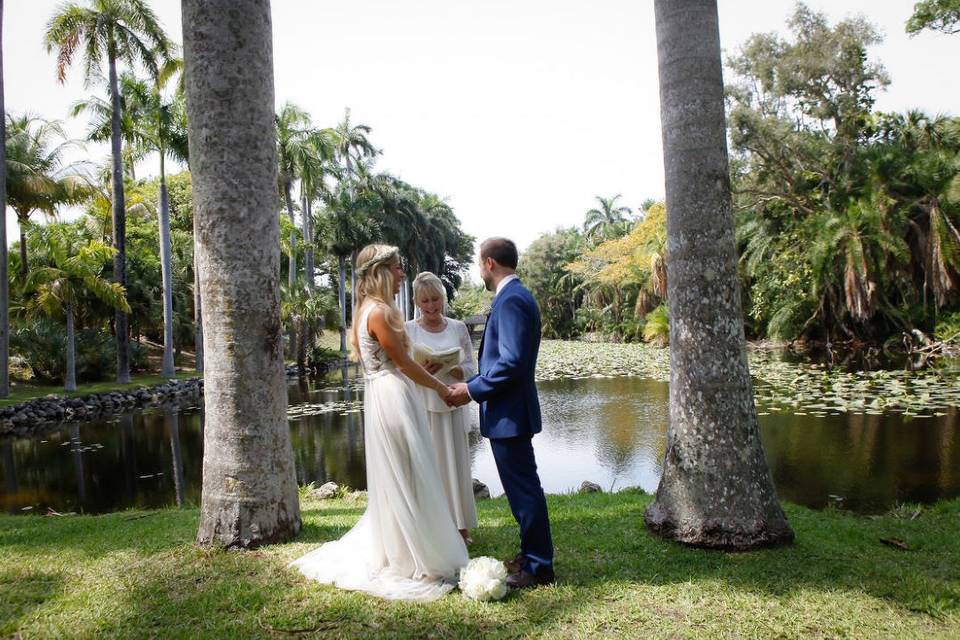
[[608, 431]]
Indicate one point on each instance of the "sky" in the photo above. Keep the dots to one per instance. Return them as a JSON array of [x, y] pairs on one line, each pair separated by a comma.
[[517, 113]]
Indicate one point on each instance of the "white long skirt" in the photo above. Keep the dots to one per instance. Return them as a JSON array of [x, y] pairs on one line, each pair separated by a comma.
[[406, 545], [449, 431]]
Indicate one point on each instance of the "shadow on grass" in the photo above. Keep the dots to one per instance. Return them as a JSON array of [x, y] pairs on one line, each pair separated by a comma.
[[22, 592], [171, 588]]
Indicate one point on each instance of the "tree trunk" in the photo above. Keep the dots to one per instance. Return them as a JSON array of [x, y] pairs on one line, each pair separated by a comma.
[[167, 370], [292, 271], [4, 278], [119, 224], [24, 267], [172, 418], [197, 305], [249, 492], [716, 490], [70, 383], [342, 272], [353, 282], [309, 266], [301, 347]]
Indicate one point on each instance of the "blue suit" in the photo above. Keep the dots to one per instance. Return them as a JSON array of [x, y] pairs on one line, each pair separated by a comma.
[[510, 415]]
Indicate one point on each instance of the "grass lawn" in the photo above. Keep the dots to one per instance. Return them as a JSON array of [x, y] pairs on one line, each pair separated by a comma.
[[22, 392], [138, 574]]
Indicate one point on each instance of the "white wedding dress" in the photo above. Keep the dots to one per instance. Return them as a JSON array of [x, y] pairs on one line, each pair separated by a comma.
[[406, 545]]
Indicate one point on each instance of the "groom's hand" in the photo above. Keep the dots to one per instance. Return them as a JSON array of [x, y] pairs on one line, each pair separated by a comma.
[[458, 395]]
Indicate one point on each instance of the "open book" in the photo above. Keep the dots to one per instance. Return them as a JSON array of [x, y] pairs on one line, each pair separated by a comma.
[[447, 358]]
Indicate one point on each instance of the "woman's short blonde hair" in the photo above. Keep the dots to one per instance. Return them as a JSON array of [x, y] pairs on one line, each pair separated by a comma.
[[427, 281]]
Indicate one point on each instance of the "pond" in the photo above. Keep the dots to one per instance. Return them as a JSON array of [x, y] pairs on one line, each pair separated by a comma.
[[608, 430]]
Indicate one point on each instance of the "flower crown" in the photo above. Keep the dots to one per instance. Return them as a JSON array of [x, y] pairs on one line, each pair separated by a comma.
[[383, 254]]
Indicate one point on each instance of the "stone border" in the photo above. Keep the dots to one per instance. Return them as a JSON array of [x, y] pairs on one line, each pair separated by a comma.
[[25, 418]]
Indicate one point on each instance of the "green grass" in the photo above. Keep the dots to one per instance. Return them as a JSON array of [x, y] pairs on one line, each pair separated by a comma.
[[138, 574], [22, 392]]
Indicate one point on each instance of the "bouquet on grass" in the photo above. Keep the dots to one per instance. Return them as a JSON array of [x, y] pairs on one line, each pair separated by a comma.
[[483, 579]]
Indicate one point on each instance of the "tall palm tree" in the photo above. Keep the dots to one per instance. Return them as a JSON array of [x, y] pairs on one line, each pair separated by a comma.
[[249, 496], [122, 31], [294, 150], [73, 270], [36, 178], [314, 167], [151, 123], [353, 149], [609, 220], [716, 490], [4, 282]]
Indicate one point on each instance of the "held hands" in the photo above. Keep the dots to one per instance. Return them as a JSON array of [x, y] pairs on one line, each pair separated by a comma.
[[458, 395]]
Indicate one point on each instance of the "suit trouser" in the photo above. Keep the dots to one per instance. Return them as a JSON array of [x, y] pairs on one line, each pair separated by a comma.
[[518, 474]]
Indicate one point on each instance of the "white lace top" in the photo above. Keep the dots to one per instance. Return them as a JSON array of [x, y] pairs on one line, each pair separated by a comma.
[[372, 355]]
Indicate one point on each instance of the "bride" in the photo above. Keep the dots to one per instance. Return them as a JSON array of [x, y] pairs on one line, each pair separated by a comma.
[[406, 545]]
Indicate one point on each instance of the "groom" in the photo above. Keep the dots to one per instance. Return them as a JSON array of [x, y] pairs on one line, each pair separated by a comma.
[[509, 407]]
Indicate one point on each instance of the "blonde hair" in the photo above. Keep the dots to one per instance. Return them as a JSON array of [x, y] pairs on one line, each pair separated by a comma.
[[429, 282], [375, 282]]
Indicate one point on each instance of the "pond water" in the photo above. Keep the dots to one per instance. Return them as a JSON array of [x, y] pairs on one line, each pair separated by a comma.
[[611, 431]]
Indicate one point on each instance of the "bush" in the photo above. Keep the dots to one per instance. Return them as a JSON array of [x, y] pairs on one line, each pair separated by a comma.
[[320, 358], [657, 328], [948, 327], [42, 346]]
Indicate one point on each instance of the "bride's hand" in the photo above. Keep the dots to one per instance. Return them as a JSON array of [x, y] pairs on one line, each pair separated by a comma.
[[443, 391]]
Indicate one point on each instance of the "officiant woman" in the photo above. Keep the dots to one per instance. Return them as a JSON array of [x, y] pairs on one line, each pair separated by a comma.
[[448, 425]]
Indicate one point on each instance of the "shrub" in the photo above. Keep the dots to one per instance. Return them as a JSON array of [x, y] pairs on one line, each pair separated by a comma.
[[42, 346]]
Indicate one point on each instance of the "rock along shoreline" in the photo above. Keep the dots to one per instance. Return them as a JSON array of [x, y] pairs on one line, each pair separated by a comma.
[[26, 418]]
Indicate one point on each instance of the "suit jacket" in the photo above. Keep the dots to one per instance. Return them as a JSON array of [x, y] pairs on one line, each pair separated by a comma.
[[505, 387]]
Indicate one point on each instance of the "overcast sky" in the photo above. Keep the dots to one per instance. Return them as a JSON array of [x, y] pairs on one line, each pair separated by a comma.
[[517, 112]]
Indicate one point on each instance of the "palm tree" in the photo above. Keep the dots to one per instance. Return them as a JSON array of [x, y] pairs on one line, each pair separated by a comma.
[[73, 270], [304, 307], [36, 178], [608, 220], [4, 282], [314, 167], [849, 252], [294, 150], [249, 495], [123, 31], [353, 148], [346, 227], [716, 490], [150, 123]]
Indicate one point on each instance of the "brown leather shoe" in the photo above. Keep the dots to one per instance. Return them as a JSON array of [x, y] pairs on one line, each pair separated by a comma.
[[522, 580], [515, 565]]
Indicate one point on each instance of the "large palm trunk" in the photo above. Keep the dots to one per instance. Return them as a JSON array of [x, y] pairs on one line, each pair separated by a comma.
[[167, 370], [249, 493], [70, 381], [121, 326], [716, 490], [4, 280], [342, 293]]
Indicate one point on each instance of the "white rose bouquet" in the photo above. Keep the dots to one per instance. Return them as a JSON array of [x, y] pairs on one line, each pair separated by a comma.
[[483, 579]]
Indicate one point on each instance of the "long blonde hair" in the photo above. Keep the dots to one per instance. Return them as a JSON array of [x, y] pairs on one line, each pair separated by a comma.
[[375, 283]]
